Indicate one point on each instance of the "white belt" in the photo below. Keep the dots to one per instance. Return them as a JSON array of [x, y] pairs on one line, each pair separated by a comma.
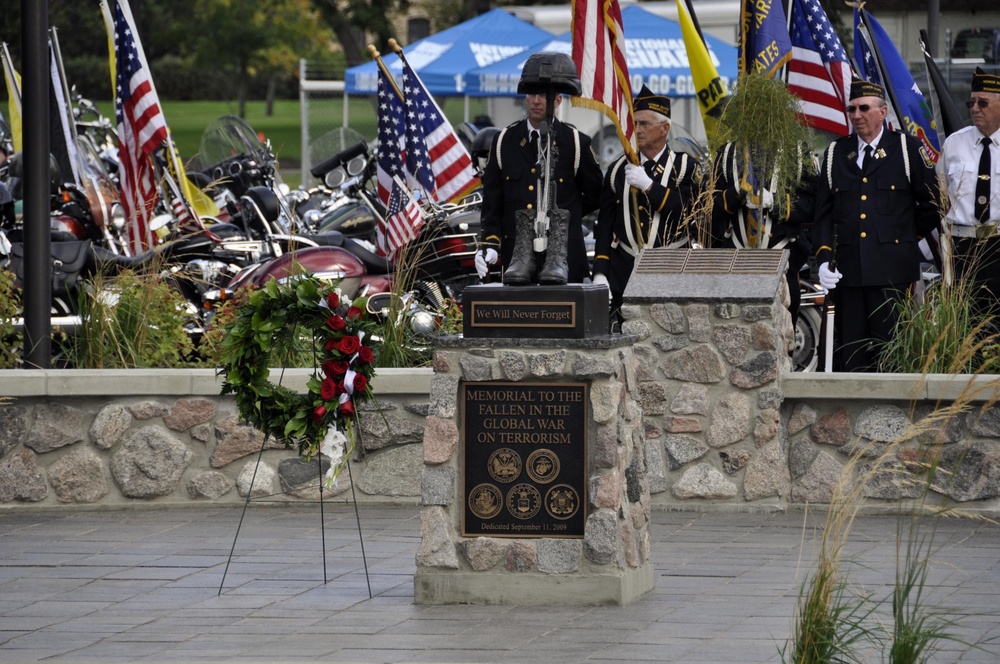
[[981, 232]]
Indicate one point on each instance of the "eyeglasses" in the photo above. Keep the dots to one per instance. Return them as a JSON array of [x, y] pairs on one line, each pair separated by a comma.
[[864, 108], [643, 124], [981, 103]]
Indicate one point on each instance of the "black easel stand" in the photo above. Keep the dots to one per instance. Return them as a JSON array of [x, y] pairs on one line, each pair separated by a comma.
[[322, 515]]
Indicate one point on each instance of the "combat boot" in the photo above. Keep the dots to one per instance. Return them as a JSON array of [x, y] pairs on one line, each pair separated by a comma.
[[521, 270], [555, 270]]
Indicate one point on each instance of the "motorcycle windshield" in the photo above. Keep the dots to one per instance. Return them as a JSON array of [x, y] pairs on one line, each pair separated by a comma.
[[230, 136], [337, 140]]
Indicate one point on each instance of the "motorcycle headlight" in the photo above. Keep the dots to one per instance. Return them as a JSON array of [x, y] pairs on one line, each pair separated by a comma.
[[422, 322], [118, 216]]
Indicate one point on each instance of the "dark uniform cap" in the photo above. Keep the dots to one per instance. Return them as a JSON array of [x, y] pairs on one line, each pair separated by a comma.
[[549, 70], [647, 101], [861, 88], [984, 82]]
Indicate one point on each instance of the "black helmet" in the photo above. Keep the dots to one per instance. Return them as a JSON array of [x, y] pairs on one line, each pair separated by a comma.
[[549, 71], [482, 142]]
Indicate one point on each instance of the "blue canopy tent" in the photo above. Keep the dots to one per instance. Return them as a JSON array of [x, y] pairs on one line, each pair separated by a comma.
[[654, 48], [442, 59]]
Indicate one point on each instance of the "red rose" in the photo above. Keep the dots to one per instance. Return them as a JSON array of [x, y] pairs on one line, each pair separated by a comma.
[[328, 389], [335, 368], [349, 345], [366, 355], [355, 313], [347, 408], [336, 323], [333, 300], [319, 413], [331, 345], [360, 383]]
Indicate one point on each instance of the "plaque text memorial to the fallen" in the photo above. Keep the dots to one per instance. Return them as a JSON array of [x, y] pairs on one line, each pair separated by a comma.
[[524, 450]]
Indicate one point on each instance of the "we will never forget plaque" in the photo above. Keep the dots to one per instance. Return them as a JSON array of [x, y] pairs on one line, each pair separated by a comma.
[[524, 451]]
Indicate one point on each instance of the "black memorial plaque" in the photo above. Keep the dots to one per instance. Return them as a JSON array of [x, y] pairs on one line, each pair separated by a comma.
[[525, 461], [572, 311]]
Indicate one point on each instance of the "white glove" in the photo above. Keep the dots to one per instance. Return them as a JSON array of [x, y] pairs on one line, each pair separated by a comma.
[[636, 177], [599, 279], [828, 279], [766, 200], [481, 261]]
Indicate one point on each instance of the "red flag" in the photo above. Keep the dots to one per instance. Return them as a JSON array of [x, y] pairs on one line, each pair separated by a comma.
[[403, 221], [599, 56], [141, 127], [819, 73]]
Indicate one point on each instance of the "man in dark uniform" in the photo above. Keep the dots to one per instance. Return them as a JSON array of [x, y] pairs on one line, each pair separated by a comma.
[[513, 179], [744, 219], [877, 196], [970, 161], [642, 205]]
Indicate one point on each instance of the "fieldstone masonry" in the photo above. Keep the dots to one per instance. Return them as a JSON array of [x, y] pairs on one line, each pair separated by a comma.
[[611, 563]]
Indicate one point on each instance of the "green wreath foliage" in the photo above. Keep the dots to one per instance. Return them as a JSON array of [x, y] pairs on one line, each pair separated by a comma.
[[271, 320]]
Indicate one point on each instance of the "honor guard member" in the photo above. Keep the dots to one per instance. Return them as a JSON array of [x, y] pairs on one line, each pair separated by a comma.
[[750, 220], [877, 196], [514, 175], [642, 205], [970, 162]]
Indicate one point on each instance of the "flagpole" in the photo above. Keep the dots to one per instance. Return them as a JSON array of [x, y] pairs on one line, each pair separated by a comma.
[[385, 70], [880, 63]]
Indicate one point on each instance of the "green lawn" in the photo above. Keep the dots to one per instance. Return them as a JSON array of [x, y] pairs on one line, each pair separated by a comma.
[[188, 119]]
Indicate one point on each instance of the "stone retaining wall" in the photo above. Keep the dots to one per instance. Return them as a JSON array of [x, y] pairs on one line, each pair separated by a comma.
[[166, 437]]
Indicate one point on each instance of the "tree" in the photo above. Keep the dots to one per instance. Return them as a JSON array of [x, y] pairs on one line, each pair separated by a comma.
[[265, 36], [351, 19]]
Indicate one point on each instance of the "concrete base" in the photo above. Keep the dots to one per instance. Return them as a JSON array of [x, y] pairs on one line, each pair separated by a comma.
[[451, 587]]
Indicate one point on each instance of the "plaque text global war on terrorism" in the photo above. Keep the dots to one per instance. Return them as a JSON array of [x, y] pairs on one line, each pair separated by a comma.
[[524, 459]]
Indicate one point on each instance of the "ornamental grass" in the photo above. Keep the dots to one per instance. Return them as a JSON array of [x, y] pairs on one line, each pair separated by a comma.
[[837, 622]]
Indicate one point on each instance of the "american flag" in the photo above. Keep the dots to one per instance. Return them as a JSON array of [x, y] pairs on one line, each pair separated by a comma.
[[599, 56], [435, 159], [403, 220], [391, 125], [819, 73], [141, 127]]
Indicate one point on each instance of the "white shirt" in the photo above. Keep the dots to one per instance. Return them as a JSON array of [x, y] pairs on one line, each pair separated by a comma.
[[874, 144], [959, 163]]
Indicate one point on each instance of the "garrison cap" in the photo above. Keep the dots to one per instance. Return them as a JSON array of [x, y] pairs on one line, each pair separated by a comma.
[[860, 88], [985, 82], [647, 101]]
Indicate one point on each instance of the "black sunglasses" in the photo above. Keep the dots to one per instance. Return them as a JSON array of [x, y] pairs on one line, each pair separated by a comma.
[[864, 108], [981, 103]]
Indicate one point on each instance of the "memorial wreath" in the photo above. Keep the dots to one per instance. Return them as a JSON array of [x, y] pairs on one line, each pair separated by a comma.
[[269, 323]]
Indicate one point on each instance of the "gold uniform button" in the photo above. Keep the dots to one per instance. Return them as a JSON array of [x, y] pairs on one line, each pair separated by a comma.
[[864, 197], [531, 187], [561, 180], [864, 179], [864, 216], [893, 187], [897, 241], [532, 170], [529, 206], [863, 234]]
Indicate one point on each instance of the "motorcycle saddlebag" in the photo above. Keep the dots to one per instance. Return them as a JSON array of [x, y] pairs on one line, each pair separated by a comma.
[[68, 259]]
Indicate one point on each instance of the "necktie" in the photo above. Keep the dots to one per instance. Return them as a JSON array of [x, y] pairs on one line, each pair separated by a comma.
[[867, 160], [650, 167], [982, 208], [533, 143]]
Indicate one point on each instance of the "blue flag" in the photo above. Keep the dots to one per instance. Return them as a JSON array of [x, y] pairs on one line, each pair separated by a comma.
[[765, 46], [880, 62]]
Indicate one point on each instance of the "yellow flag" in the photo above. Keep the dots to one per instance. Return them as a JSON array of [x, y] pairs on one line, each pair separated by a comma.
[[13, 98], [712, 91]]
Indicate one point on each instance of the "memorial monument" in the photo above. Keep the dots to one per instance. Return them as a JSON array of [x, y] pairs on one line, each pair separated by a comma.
[[533, 486]]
